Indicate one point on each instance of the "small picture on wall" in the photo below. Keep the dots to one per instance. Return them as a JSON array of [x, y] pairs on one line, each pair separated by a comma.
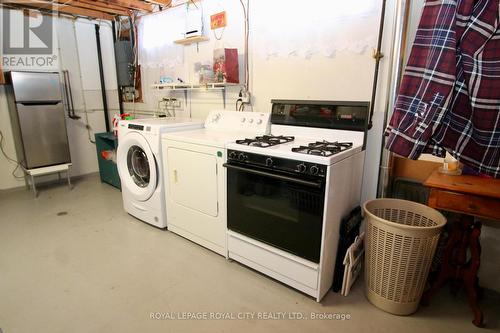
[[226, 65]]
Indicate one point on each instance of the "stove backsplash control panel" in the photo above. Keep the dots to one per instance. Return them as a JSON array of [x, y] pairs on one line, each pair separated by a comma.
[[277, 163]]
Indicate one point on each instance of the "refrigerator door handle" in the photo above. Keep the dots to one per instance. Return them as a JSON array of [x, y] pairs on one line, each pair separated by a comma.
[[39, 103]]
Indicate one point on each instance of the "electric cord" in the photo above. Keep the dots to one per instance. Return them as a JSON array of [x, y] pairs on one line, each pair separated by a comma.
[[245, 14], [239, 100], [18, 165], [246, 86], [87, 123], [221, 33], [202, 18]]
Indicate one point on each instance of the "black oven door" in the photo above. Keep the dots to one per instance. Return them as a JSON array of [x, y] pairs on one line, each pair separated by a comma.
[[280, 209]]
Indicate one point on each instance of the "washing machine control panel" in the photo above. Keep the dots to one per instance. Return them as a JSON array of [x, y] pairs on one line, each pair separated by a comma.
[[136, 127]]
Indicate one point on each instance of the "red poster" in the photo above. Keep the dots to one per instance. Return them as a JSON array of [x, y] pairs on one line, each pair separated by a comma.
[[226, 65]]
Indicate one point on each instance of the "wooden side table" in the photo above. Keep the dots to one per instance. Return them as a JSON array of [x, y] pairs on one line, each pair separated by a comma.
[[471, 196]]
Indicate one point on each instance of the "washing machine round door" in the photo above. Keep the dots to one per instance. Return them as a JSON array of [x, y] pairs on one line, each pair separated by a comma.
[[137, 166]]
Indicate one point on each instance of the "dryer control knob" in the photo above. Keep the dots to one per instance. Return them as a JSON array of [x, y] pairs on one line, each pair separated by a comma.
[[243, 119], [250, 120], [259, 121]]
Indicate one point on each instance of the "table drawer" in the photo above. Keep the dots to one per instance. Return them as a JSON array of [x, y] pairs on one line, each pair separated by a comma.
[[464, 203]]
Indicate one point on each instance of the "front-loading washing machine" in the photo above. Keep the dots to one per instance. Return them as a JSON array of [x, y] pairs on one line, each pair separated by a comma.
[[140, 165]]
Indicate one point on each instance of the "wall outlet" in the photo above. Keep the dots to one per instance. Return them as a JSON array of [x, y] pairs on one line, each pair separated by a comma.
[[172, 102]]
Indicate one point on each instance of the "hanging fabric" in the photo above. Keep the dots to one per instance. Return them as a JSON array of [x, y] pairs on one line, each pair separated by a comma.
[[449, 99]]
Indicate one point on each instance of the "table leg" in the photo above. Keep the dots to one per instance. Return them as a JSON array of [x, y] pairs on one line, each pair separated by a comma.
[[69, 179], [464, 235], [470, 274], [447, 270], [33, 186]]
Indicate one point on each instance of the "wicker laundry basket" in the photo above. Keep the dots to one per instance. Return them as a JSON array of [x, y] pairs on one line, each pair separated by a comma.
[[401, 238]]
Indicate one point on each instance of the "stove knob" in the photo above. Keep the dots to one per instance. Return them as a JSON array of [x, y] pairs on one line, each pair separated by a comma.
[[241, 157], [314, 170], [301, 167], [269, 162], [243, 119], [232, 155], [259, 121]]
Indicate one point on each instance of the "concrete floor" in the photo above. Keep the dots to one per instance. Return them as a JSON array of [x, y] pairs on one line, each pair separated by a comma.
[[74, 261]]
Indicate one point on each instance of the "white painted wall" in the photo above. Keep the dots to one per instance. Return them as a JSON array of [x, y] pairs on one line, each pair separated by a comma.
[[332, 72], [6, 168], [81, 62]]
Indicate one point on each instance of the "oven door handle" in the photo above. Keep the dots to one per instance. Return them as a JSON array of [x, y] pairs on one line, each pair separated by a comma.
[[276, 176]]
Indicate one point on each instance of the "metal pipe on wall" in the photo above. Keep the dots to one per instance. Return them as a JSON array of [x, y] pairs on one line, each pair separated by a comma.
[[399, 38], [101, 74], [377, 56]]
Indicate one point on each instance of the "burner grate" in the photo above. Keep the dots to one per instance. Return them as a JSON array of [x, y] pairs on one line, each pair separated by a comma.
[[323, 148], [266, 141]]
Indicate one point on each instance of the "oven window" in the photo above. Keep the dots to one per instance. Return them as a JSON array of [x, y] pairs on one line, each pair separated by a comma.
[[281, 213]]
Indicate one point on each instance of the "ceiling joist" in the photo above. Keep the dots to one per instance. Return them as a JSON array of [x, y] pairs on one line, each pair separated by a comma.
[[53, 6], [164, 3], [102, 8], [132, 4], [105, 4]]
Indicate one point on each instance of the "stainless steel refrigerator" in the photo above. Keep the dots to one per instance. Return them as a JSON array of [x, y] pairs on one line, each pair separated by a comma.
[[37, 116]]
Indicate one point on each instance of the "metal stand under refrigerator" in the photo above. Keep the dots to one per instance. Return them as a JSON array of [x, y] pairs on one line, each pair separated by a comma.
[[38, 122]]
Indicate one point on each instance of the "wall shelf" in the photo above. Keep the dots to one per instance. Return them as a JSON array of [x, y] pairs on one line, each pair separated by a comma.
[[190, 86], [195, 87], [191, 40]]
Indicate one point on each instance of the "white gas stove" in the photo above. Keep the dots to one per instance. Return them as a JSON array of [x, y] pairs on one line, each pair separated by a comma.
[[287, 192], [321, 146]]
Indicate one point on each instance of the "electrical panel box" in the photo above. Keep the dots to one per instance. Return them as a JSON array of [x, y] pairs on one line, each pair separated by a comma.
[[124, 63]]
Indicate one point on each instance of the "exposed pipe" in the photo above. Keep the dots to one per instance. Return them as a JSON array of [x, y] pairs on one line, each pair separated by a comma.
[[101, 74], [399, 37], [87, 124], [378, 56], [69, 95], [120, 97]]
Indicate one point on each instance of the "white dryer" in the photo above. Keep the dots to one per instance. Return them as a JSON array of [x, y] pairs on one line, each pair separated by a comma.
[[140, 165], [196, 179]]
